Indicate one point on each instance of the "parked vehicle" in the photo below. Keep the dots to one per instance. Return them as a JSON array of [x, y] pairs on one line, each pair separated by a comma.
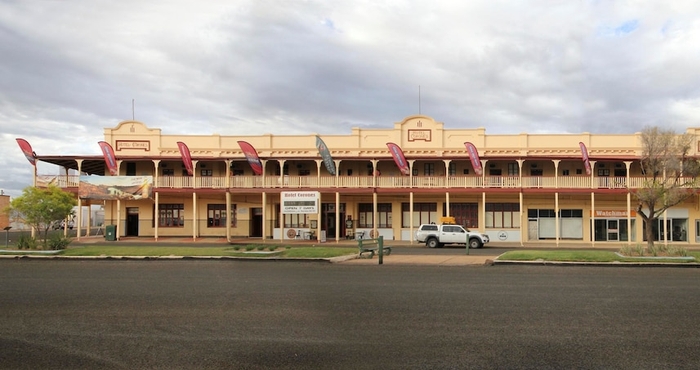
[[61, 224], [438, 235]]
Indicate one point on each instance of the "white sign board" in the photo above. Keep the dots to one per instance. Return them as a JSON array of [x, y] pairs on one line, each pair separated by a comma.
[[300, 201]]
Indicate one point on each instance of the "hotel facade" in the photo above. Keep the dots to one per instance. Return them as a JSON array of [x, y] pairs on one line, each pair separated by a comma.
[[518, 188]]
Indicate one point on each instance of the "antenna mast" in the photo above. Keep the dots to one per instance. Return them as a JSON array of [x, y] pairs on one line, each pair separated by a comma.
[[418, 99], [132, 110]]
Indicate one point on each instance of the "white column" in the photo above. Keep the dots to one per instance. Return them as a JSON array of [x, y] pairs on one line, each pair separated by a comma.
[[447, 203], [410, 215], [229, 216], [592, 219], [630, 232], [194, 216], [157, 215], [119, 218], [556, 217], [264, 216], [482, 219], [374, 215], [80, 218], [337, 215]]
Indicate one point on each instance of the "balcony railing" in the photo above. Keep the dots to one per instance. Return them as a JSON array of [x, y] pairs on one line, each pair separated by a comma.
[[388, 182]]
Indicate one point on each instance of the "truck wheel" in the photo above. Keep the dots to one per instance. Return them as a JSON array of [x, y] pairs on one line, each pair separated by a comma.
[[475, 243], [432, 243]]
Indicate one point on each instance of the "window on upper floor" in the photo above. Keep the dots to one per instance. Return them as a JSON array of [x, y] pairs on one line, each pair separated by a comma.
[[130, 169], [429, 169], [452, 169], [513, 169]]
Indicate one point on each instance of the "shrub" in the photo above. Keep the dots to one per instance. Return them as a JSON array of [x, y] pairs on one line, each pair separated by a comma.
[[261, 247], [272, 248], [249, 248], [236, 248], [26, 242], [677, 250], [58, 241]]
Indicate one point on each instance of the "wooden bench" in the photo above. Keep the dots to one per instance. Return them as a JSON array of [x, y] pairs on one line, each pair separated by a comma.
[[371, 246]]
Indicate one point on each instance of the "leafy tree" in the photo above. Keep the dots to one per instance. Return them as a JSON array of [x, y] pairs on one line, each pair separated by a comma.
[[39, 207], [670, 174]]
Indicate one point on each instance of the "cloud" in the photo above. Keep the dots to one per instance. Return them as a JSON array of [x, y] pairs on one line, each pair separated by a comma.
[[302, 67]]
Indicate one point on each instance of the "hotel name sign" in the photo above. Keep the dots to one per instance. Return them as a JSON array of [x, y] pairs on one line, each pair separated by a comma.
[[420, 135], [133, 145]]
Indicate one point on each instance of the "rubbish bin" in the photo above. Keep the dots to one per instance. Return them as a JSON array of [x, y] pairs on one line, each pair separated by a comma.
[[111, 232]]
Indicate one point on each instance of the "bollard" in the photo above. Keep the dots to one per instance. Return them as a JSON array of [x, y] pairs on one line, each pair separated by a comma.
[[380, 242], [467, 244]]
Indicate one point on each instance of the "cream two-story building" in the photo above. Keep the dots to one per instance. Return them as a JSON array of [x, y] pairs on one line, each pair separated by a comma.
[[527, 188]]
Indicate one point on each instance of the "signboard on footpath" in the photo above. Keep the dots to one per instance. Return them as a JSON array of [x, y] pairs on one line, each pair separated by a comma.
[[300, 202]]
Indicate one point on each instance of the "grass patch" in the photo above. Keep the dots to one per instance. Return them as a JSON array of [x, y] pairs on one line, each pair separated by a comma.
[[580, 256], [155, 251], [317, 252]]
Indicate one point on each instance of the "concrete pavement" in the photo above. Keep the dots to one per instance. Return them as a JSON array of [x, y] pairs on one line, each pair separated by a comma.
[[410, 254]]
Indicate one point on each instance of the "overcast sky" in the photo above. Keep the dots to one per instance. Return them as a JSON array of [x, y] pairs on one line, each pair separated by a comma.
[[69, 69]]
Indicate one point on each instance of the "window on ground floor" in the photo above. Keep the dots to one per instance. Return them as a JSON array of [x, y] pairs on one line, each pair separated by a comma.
[[216, 215], [171, 215], [466, 214], [366, 215], [423, 213], [502, 215]]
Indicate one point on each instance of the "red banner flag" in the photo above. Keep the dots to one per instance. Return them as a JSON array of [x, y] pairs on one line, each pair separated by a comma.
[[399, 158], [27, 150], [186, 158], [252, 156], [584, 157], [110, 159], [474, 157]]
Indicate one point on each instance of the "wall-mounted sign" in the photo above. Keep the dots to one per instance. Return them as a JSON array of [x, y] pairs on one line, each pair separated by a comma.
[[300, 201]]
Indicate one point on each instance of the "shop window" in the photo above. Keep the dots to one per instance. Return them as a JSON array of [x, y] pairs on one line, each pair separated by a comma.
[[216, 215], [366, 215], [171, 215], [423, 213], [502, 215], [466, 214]]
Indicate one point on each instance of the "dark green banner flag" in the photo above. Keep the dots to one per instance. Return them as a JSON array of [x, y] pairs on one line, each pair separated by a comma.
[[326, 155]]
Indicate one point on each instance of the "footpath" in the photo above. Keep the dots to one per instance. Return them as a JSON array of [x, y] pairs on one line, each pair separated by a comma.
[[410, 254]]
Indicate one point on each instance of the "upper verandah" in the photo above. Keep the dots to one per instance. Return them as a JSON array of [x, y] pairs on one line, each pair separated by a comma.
[[418, 136]]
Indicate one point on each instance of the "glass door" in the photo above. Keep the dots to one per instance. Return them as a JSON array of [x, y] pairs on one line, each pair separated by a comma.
[[613, 230]]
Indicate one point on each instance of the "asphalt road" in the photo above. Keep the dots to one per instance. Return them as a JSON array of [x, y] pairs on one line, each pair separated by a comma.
[[313, 315]]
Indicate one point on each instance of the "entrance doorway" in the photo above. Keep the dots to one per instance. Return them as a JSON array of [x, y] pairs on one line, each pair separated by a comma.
[[132, 221], [256, 222], [328, 220]]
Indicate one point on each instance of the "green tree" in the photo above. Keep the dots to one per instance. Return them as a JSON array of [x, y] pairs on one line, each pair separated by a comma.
[[670, 174], [39, 207]]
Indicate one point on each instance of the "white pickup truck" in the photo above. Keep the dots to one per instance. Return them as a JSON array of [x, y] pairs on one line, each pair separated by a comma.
[[438, 235]]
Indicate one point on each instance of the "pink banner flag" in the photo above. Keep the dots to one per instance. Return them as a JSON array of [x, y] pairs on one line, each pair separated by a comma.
[[584, 157], [27, 150], [186, 158], [252, 156], [110, 159], [474, 157], [399, 158]]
